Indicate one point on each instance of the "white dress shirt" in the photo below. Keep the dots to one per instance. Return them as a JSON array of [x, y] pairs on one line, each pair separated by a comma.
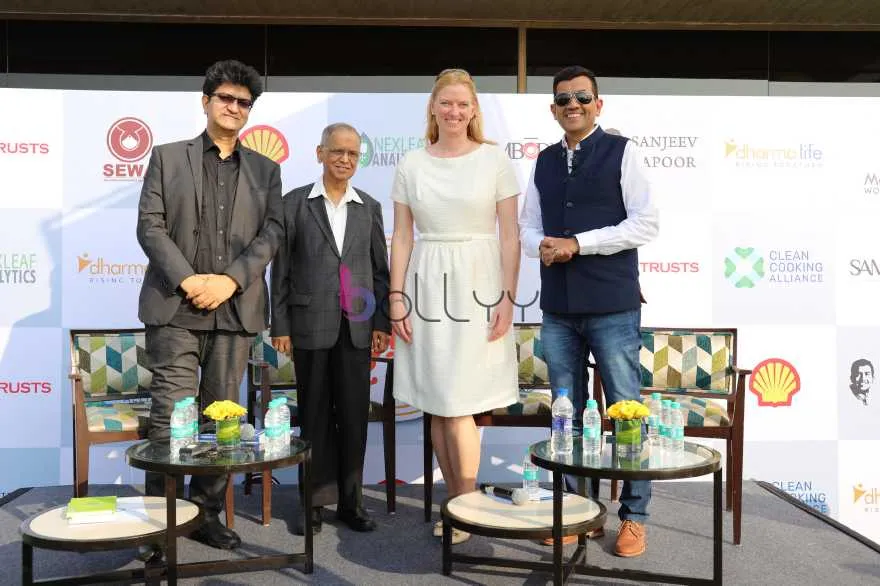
[[640, 226], [337, 214]]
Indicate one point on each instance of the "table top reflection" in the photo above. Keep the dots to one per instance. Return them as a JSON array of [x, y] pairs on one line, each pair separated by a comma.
[[155, 456], [653, 463]]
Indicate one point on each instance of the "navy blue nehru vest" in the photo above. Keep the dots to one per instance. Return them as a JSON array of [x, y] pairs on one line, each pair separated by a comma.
[[587, 199]]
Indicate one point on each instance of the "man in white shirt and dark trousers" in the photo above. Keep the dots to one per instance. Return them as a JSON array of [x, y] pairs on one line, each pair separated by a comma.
[[329, 280], [588, 207]]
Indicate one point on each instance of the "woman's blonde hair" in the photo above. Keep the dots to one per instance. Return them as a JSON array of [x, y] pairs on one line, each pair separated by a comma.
[[446, 78]]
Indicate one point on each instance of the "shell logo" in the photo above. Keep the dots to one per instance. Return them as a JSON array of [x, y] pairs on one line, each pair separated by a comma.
[[775, 381], [267, 141]]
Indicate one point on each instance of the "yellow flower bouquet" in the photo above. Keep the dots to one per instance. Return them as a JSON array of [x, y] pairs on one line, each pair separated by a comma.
[[226, 414], [627, 416]]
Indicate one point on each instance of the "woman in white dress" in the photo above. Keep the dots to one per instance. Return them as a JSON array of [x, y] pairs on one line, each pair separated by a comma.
[[452, 290]]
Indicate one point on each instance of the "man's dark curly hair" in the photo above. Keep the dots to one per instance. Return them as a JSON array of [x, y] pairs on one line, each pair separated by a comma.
[[234, 72]]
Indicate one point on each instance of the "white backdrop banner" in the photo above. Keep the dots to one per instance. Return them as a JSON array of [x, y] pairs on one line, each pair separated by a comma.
[[768, 210]]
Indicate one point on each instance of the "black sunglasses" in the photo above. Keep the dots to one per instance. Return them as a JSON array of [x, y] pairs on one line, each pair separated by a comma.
[[582, 96], [243, 103]]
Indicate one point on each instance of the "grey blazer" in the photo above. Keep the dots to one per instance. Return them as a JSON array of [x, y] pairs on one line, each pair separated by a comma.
[[306, 291], [168, 222]]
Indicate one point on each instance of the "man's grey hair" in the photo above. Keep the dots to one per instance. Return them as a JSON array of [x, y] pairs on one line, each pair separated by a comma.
[[329, 130]]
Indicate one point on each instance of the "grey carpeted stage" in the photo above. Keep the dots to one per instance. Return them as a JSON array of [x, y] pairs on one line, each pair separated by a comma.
[[781, 544]]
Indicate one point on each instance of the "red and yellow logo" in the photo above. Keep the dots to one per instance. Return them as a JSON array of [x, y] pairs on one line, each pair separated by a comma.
[[775, 381], [267, 141]]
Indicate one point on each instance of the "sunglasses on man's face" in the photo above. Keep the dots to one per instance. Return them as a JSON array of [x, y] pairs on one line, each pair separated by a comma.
[[582, 96], [243, 103]]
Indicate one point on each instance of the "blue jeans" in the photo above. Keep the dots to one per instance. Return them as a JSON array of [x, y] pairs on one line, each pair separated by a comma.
[[614, 341]]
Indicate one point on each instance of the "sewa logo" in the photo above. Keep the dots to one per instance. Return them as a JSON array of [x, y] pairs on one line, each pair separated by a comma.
[[803, 491], [775, 381], [103, 272], [267, 141], [527, 148], [28, 387], [868, 498], [128, 140], [386, 151]]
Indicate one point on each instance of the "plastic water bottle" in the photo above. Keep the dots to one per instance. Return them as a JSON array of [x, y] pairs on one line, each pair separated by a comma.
[[192, 413], [676, 431], [665, 424], [272, 426], [654, 420], [563, 413], [592, 429], [181, 430], [284, 422], [530, 476]]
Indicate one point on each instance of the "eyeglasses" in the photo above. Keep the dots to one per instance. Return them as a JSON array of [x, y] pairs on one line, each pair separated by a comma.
[[243, 103], [340, 153], [582, 96]]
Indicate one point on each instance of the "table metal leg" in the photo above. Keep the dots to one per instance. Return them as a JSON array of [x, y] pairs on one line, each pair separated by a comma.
[[309, 565], [717, 529], [447, 547], [557, 528], [27, 564], [171, 527]]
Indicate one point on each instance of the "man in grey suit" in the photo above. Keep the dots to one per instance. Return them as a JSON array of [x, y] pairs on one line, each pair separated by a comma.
[[209, 221], [329, 279]]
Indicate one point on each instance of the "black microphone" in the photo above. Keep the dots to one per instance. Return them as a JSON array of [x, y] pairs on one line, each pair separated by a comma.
[[517, 496]]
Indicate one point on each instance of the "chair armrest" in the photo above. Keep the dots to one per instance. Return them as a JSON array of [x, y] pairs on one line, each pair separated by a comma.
[[74, 376], [740, 371]]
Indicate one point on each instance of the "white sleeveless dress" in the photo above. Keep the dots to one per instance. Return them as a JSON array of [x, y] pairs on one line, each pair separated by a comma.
[[450, 368]]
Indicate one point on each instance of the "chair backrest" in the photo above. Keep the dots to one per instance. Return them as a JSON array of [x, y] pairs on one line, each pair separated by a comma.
[[679, 361], [280, 365], [530, 357], [112, 364]]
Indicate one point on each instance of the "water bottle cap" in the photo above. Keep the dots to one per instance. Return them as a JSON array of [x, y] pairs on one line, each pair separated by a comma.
[[278, 402], [666, 402], [562, 392], [592, 404], [189, 401], [674, 405], [656, 396]]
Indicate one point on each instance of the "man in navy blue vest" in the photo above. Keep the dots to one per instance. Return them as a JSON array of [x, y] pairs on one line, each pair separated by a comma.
[[588, 207]]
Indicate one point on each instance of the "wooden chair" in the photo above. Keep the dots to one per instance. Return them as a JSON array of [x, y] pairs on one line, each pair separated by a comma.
[[271, 373], [111, 399], [697, 368], [532, 409]]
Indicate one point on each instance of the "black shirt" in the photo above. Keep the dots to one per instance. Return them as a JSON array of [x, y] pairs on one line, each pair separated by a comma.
[[219, 181]]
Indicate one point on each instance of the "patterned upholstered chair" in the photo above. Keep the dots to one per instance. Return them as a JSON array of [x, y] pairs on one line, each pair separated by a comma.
[[697, 368], [271, 374], [532, 409], [111, 400]]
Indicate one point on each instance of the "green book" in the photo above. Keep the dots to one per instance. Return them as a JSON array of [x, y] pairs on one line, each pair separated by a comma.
[[91, 506]]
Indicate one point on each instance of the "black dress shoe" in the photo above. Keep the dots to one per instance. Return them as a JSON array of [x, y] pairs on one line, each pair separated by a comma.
[[317, 522], [214, 533], [357, 519]]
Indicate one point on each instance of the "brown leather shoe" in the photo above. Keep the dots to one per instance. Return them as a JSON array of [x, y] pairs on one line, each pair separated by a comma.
[[597, 533], [630, 539]]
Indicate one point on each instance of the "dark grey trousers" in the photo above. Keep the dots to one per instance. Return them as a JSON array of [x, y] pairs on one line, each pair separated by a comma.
[[175, 356]]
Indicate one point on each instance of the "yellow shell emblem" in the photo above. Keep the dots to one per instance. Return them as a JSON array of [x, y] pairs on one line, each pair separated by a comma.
[[267, 141], [775, 381]]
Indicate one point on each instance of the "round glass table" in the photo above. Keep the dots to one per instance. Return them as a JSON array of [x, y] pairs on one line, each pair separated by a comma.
[[653, 463], [155, 456]]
